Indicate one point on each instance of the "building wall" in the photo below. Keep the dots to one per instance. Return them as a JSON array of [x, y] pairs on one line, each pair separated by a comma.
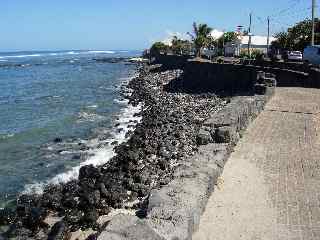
[[262, 48]]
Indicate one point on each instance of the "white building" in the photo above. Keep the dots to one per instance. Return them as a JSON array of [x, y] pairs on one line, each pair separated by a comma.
[[257, 43]]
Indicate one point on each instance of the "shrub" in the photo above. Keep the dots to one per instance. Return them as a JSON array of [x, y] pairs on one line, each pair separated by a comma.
[[159, 47], [220, 60], [255, 54], [244, 54]]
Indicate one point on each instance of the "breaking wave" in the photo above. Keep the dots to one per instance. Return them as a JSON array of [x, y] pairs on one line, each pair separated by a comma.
[[97, 156], [57, 54]]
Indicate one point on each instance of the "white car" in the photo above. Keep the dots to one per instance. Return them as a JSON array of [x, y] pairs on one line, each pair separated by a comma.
[[311, 54], [294, 56]]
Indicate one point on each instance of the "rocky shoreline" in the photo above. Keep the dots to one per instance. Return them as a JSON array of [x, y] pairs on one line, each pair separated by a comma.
[[167, 135]]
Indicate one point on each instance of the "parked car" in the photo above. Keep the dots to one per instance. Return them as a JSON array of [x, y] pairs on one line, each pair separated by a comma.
[[294, 56], [311, 54]]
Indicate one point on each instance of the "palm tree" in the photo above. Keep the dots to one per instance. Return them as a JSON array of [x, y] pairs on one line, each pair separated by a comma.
[[201, 37], [180, 46]]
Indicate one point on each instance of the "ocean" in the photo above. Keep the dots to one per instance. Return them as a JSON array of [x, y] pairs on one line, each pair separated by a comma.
[[59, 110]]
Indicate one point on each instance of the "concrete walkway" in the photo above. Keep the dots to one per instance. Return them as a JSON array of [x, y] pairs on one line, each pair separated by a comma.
[[270, 187]]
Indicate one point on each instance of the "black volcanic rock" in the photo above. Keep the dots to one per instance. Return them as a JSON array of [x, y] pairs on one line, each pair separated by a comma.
[[57, 140], [58, 231], [89, 171], [167, 135]]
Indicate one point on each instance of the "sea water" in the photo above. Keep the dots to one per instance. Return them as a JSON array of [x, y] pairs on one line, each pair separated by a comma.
[[58, 111]]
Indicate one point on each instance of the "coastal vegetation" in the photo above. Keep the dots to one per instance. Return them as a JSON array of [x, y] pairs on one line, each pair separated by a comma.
[[225, 38], [201, 37], [254, 54], [180, 46], [297, 37], [158, 48]]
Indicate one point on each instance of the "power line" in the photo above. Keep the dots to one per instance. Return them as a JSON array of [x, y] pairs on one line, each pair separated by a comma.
[[294, 3], [279, 20], [304, 14], [281, 23], [302, 10]]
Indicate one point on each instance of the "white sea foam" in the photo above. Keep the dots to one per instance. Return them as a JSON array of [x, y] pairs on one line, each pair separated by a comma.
[[58, 54], [21, 56], [6, 136], [92, 106], [121, 101], [91, 117], [98, 156], [100, 51], [71, 53]]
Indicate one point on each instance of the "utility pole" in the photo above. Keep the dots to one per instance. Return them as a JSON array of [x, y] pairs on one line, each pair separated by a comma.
[[223, 36], [268, 39], [313, 21], [249, 33]]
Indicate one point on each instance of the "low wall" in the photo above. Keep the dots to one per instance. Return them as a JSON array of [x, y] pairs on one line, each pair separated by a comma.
[[292, 78], [295, 66], [174, 211], [234, 78], [170, 62], [207, 76]]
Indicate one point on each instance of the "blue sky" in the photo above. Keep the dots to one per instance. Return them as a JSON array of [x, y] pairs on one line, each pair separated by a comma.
[[131, 24]]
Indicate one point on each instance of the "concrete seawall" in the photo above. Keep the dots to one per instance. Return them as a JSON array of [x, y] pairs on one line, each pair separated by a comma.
[[174, 211], [209, 76]]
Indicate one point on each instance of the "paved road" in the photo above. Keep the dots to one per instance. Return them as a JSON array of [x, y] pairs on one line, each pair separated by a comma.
[[270, 188]]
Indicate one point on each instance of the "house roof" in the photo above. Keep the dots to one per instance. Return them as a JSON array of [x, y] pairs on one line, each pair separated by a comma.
[[257, 40]]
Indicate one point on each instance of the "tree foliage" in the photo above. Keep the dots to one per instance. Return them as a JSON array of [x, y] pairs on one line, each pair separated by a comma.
[[297, 37], [158, 47], [179, 46], [201, 37], [227, 37]]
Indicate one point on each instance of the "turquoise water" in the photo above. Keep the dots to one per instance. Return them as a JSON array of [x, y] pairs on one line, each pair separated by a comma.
[[56, 110]]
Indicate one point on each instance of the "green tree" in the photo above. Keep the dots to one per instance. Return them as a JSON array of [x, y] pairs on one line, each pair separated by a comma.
[[227, 37], [297, 37], [282, 41], [201, 37], [179, 46], [158, 47]]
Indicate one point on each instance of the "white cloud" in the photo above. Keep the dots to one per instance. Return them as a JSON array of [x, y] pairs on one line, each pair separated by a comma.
[[170, 34], [215, 33]]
